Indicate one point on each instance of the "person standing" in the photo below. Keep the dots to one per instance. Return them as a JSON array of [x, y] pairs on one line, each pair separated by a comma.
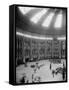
[[50, 66]]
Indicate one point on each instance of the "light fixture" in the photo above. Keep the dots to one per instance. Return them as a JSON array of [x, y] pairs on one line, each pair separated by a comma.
[[61, 38], [33, 37], [58, 22], [38, 15], [48, 20], [25, 10]]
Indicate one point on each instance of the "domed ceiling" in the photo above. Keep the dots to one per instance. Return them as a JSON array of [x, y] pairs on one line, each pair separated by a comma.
[[43, 21]]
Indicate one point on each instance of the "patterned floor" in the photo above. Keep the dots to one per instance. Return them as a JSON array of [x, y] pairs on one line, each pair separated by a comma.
[[40, 71]]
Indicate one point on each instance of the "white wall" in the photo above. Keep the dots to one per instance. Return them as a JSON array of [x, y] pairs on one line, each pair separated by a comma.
[[4, 44]]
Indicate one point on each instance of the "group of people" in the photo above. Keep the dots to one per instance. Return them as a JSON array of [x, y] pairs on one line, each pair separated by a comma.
[[63, 72], [38, 79]]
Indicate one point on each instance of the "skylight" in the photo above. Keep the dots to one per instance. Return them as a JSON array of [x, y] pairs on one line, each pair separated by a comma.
[[38, 15], [58, 22], [48, 20], [25, 10], [33, 37]]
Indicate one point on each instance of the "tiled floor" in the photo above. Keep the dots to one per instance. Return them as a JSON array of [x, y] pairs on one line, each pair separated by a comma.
[[40, 72]]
